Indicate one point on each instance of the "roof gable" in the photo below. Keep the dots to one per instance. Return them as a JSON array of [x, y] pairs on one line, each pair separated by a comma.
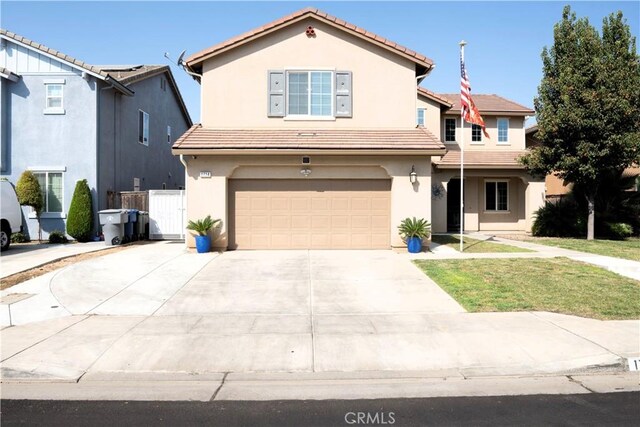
[[422, 61]]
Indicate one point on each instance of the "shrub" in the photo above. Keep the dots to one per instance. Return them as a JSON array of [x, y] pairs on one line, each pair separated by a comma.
[[30, 193], [20, 238], [412, 227], [202, 226], [559, 219], [80, 218], [617, 230], [57, 236]]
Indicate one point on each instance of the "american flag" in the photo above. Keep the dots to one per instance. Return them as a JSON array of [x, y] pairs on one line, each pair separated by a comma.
[[469, 111]]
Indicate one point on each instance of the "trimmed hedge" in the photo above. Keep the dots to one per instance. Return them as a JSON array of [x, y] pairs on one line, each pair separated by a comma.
[[80, 217]]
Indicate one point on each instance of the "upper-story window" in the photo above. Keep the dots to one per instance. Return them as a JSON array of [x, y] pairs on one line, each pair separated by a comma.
[[476, 133], [449, 130], [503, 131], [54, 96], [309, 95], [169, 134], [420, 116], [143, 127]]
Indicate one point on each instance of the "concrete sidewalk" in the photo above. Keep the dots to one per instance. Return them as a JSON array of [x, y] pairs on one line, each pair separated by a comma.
[[158, 320], [25, 257]]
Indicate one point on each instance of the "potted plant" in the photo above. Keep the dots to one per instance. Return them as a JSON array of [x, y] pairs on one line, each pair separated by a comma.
[[412, 231], [202, 227]]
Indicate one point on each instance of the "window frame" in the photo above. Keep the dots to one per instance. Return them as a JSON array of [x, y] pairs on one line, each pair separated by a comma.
[[496, 206], [418, 111], [168, 134], [309, 116], [506, 141], [45, 211], [143, 127], [477, 129], [49, 84], [455, 130]]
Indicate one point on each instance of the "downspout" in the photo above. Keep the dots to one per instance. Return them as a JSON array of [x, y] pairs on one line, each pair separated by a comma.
[[184, 216]]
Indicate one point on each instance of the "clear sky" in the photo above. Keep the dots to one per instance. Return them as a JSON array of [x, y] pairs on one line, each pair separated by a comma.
[[505, 39]]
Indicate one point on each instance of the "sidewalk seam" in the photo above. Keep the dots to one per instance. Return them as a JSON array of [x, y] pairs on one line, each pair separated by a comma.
[[44, 339], [573, 380], [575, 334], [313, 341], [215, 393], [134, 282]]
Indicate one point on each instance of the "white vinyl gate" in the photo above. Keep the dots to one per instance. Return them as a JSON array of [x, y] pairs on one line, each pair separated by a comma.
[[166, 214]]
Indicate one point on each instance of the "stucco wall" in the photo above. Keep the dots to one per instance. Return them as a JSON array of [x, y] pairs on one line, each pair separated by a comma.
[[234, 84], [432, 114], [525, 197], [208, 196], [516, 136], [126, 158], [37, 140]]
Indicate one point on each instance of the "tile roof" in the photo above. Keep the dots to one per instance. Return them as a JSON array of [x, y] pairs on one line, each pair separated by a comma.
[[291, 139], [481, 159], [299, 15], [489, 104], [434, 96]]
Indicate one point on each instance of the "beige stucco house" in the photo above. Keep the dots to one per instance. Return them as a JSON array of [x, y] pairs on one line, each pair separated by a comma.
[[301, 146]]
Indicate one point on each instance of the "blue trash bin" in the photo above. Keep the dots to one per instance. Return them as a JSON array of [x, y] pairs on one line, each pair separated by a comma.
[[130, 227]]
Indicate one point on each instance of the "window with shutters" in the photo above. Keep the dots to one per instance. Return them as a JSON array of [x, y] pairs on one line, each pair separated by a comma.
[[309, 94]]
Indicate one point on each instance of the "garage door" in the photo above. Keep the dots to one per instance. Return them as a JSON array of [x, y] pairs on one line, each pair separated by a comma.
[[309, 214]]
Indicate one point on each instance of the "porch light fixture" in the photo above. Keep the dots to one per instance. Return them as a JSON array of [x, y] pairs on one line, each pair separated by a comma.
[[413, 175], [305, 171]]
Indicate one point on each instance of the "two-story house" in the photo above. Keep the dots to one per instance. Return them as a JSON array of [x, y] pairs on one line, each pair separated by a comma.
[[66, 120], [499, 195], [309, 139]]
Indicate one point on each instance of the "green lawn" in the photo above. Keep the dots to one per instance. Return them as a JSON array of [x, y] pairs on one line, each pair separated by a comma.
[[474, 245], [534, 284], [627, 249]]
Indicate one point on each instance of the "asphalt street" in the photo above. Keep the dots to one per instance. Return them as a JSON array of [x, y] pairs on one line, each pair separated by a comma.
[[619, 409]]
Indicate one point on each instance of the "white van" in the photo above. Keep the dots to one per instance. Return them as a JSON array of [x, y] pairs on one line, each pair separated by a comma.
[[11, 213]]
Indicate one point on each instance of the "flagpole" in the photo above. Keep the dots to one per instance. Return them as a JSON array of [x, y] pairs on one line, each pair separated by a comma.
[[462, 45]]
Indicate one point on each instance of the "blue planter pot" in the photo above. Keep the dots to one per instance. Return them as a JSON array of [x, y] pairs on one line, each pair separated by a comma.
[[414, 245], [203, 244]]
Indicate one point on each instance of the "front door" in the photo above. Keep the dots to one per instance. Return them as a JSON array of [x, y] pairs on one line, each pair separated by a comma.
[[453, 205]]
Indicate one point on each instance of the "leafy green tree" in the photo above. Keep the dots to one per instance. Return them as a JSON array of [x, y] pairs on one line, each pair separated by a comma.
[[30, 193], [80, 218], [588, 106]]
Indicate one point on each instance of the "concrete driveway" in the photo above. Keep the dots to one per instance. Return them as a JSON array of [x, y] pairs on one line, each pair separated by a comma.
[[158, 309]]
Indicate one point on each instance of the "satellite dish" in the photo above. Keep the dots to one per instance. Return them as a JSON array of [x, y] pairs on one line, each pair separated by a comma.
[[180, 58]]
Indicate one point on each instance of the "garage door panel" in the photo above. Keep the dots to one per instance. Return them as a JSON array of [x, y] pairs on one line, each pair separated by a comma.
[[309, 214]]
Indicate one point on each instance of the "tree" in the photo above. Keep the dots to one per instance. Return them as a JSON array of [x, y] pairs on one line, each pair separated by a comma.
[[80, 218], [588, 106], [29, 193]]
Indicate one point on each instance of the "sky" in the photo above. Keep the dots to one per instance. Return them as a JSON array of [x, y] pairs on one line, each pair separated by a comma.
[[505, 39]]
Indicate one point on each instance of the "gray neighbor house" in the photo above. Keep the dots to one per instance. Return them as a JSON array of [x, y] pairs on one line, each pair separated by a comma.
[[66, 120]]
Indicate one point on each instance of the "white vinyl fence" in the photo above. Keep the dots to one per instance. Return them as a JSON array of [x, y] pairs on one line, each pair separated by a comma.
[[167, 214]]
